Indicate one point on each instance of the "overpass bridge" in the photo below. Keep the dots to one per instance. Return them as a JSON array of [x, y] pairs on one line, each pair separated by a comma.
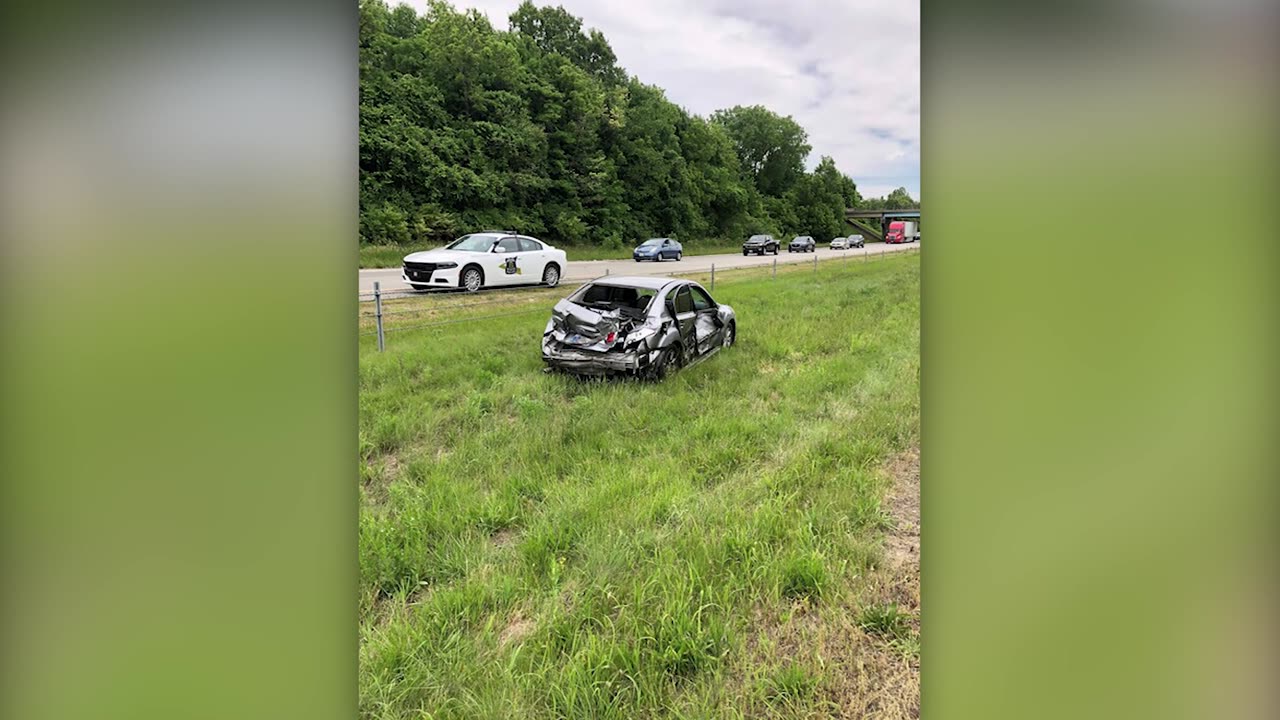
[[866, 221]]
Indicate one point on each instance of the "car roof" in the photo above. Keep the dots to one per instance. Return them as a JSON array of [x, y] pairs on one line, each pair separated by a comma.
[[637, 281]]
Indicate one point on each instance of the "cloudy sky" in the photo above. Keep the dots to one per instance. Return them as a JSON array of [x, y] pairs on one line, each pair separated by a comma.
[[847, 70]]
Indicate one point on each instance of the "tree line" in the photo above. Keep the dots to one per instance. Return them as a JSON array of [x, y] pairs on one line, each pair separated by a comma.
[[464, 127]]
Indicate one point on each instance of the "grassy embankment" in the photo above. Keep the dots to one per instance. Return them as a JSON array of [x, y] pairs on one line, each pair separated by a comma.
[[712, 546]]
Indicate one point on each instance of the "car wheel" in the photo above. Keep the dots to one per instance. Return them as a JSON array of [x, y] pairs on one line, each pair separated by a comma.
[[666, 363], [551, 275], [472, 279], [679, 255], [730, 333]]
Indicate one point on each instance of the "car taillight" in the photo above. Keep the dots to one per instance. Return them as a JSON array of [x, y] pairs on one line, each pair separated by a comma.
[[611, 337]]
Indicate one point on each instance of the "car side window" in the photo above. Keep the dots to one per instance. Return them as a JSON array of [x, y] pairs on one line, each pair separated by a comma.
[[701, 300], [529, 245], [684, 301], [508, 245]]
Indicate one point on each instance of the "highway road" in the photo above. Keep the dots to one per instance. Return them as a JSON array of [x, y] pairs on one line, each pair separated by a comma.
[[582, 270]]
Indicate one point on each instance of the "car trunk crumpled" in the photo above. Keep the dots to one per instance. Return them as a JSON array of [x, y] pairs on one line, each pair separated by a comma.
[[584, 328], [599, 341]]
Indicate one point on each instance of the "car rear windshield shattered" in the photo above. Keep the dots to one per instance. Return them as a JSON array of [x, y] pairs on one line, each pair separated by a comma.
[[628, 301]]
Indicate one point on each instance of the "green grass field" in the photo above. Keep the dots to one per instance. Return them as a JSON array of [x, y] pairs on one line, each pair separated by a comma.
[[389, 256], [535, 546]]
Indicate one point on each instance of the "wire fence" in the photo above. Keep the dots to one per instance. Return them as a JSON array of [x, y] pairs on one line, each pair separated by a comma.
[[382, 311]]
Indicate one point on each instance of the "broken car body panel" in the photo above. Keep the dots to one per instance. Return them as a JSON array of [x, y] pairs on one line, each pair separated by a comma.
[[624, 325]]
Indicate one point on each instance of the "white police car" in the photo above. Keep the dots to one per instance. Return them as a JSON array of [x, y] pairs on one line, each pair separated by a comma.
[[487, 259]]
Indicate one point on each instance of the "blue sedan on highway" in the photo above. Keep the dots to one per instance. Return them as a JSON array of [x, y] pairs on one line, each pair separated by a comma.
[[658, 249]]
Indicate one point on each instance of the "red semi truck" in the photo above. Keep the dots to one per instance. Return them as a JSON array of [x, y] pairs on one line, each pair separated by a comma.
[[901, 231]]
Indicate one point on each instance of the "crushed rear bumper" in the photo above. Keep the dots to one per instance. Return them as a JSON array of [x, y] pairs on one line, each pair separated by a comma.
[[584, 362]]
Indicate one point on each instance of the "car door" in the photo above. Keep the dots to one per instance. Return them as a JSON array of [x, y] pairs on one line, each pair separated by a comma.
[[534, 257], [508, 264], [686, 320], [668, 250], [706, 320]]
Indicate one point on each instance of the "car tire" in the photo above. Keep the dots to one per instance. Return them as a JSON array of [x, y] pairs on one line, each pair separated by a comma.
[[731, 334], [551, 275], [668, 362], [679, 255], [472, 278]]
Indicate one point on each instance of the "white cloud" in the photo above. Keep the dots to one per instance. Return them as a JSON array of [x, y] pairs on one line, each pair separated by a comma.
[[847, 70]]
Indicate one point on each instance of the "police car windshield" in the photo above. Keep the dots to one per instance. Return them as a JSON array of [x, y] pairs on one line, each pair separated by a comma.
[[473, 243]]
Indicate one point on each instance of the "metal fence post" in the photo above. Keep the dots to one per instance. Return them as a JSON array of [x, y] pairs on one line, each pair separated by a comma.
[[815, 263], [377, 301], [775, 268], [713, 277]]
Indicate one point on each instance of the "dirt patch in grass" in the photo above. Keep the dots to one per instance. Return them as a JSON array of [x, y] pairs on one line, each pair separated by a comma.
[[517, 628], [378, 474], [860, 673], [876, 681], [504, 538], [902, 541], [883, 678], [856, 674]]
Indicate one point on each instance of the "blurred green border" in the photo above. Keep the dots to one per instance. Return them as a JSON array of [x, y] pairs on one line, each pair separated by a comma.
[[1099, 356], [177, 508]]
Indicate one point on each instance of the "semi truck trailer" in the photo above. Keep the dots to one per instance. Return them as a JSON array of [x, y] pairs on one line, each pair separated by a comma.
[[901, 231]]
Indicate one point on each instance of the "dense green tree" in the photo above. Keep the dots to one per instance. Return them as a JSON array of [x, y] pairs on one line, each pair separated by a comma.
[[771, 148], [554, 30], [818, 201], [900, 199], [465, 127]]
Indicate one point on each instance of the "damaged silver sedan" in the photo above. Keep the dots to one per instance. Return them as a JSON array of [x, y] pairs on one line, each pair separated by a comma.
[[638, 326]]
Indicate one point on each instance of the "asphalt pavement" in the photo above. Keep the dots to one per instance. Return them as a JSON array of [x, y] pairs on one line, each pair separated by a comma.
[[580, 271]]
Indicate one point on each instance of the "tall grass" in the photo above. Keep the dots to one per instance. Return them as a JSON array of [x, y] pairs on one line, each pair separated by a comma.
[[535, 546]]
